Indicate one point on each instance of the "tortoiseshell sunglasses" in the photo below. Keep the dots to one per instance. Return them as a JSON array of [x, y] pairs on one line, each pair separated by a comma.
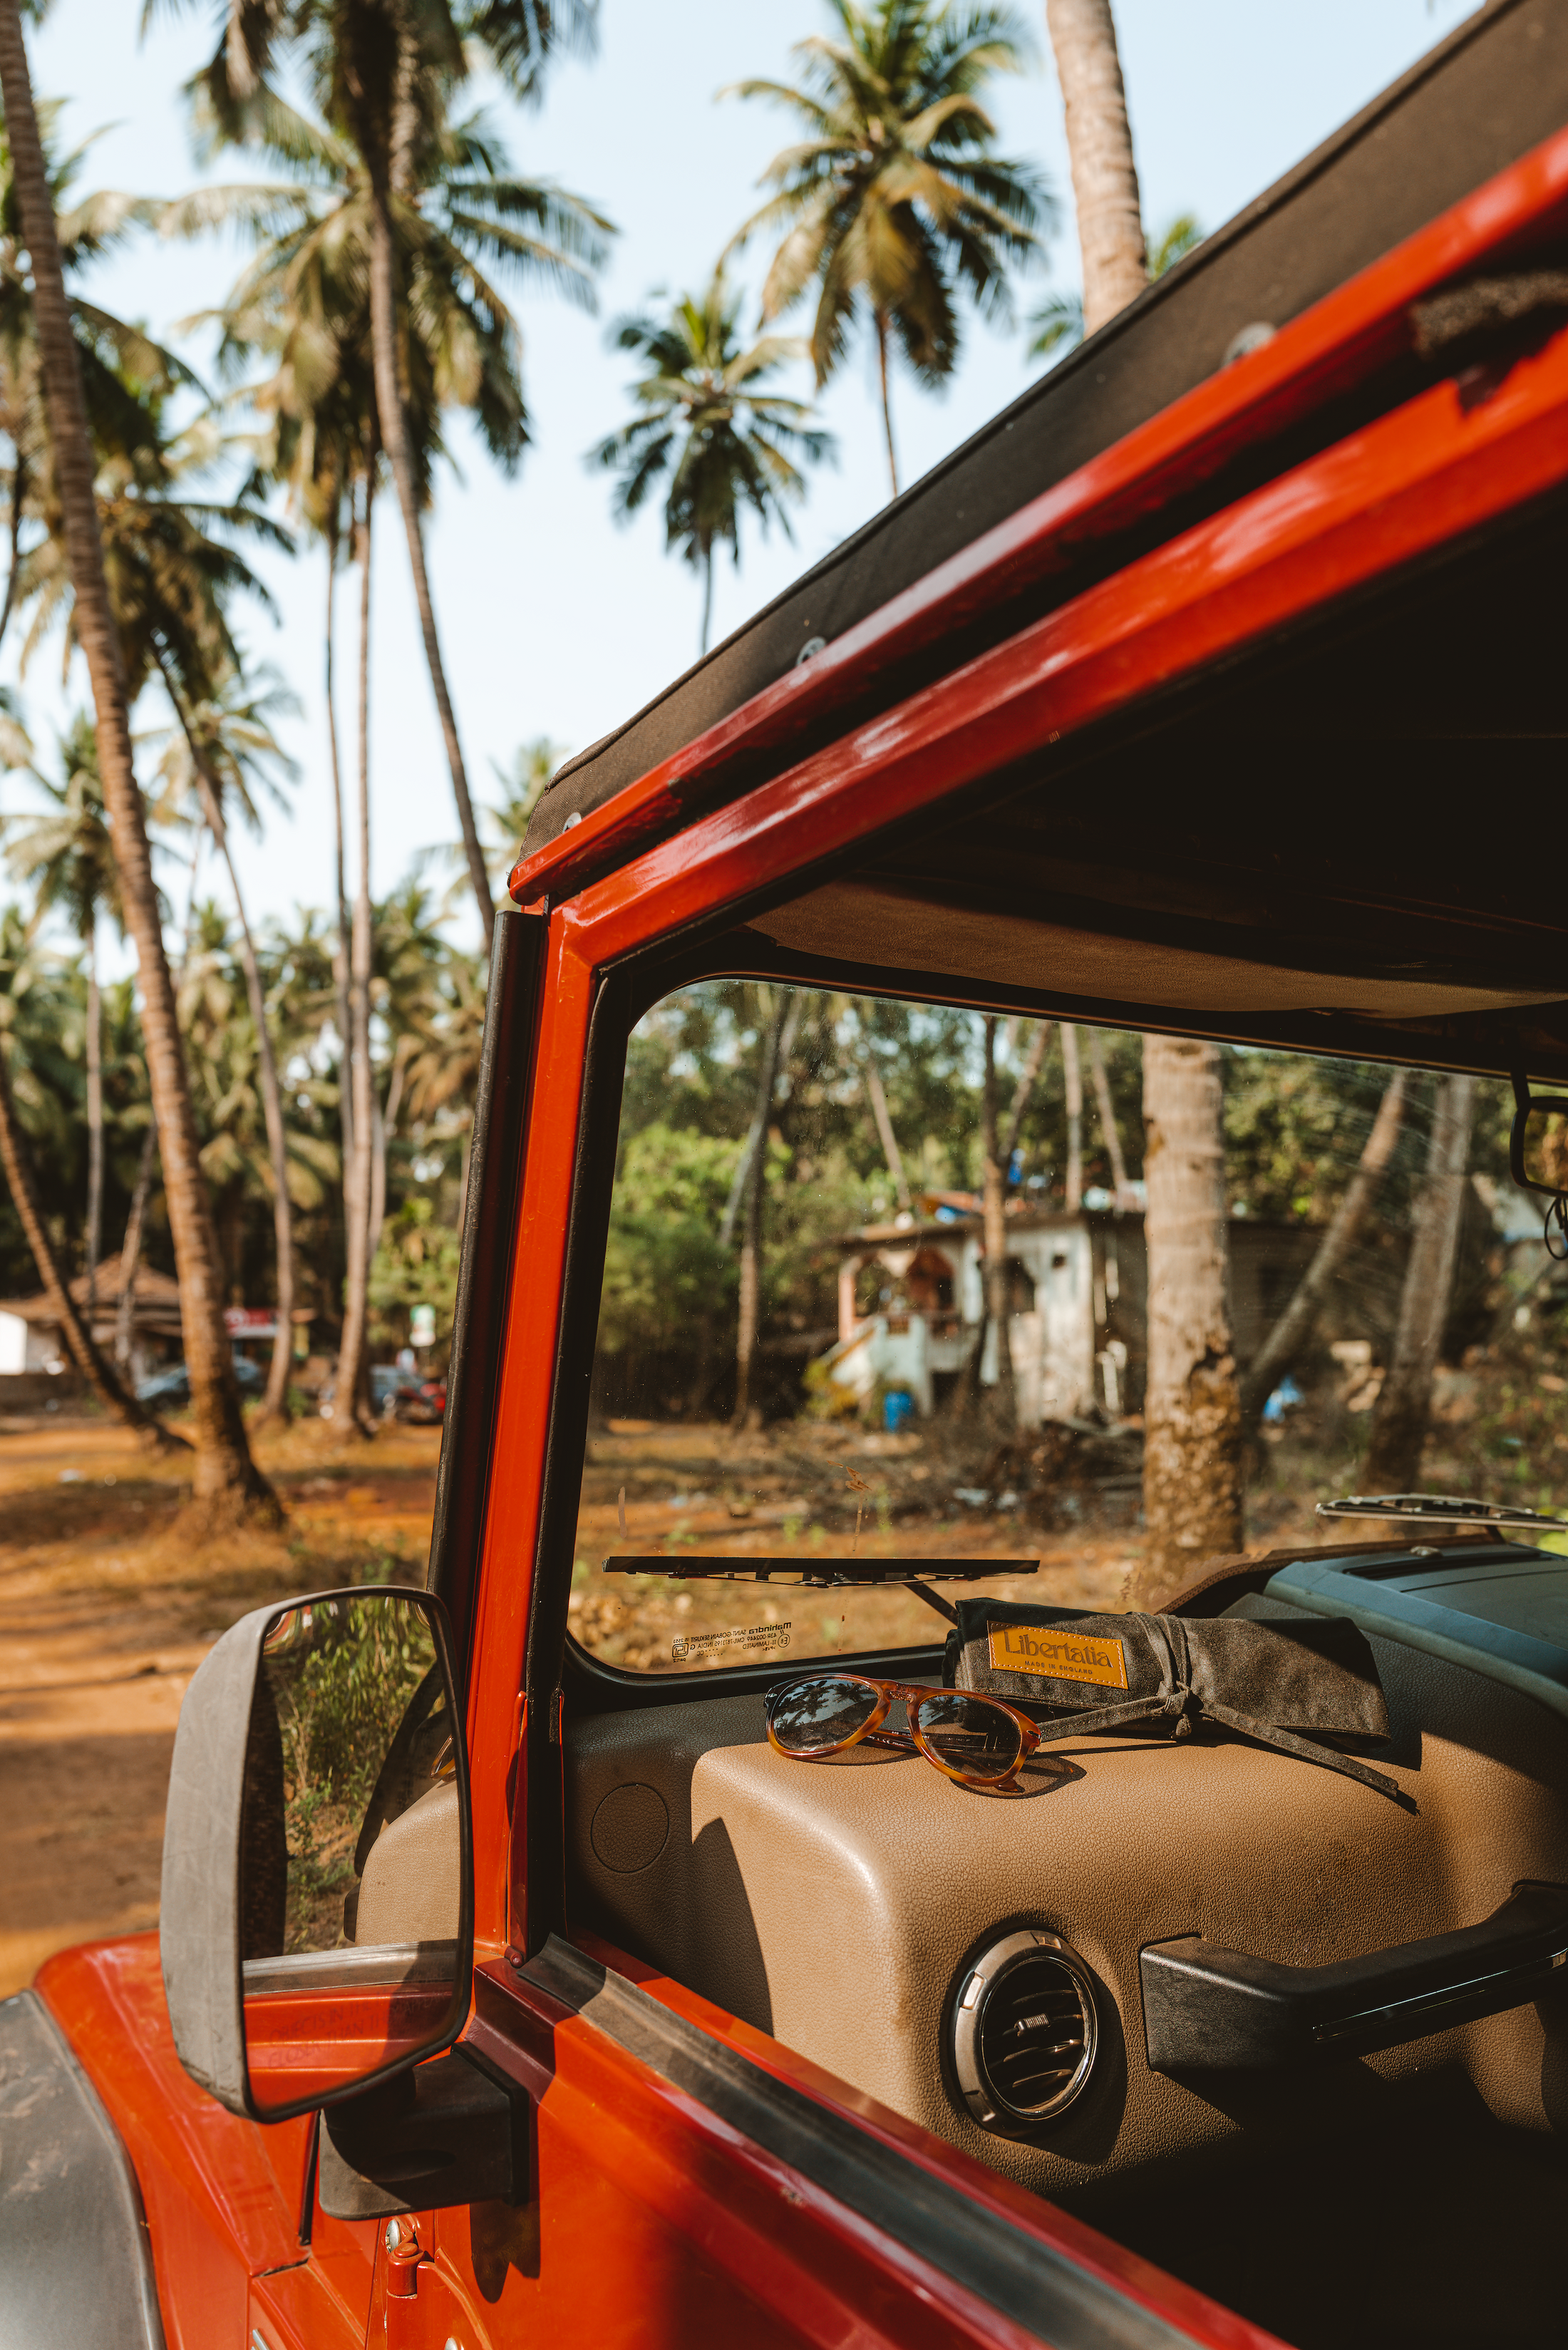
[[978, 1740]]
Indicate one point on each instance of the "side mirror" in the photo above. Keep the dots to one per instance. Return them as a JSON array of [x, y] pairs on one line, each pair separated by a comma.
[[317, 1909], [1538, 1157]]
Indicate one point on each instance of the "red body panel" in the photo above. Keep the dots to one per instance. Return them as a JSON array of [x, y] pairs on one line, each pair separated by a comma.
[[306, 2044], [652, 2222]]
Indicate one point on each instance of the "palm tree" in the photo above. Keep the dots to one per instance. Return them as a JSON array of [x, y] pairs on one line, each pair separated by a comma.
[[222, 749], [226, 1482], [1058, 324], [67, 856], [1192, 1413], [894, 200], [722, 444], [121, 365], [437, 213], [1099, 147]]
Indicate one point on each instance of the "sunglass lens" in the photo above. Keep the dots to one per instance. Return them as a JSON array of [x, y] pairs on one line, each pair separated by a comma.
[[972, 1736], [811, 1716]]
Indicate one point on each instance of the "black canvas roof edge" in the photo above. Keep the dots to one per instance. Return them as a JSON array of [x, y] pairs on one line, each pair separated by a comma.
[[1494, 88]]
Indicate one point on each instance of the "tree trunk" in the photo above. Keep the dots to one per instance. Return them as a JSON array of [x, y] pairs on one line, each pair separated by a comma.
[[1075, 1077], [94, 1123], [1123, 1189], [131, 1251], [17, 1160], [969, 1388], [1028, 1078], [776, 1045], [1284, 1345], [1192, 1419], [394, 434], [1404, 1404], [274, 1403], [18, 479], [386, 1126], [340, 960], [997, 1300], [1100, 149], [886, 1135], [707, 596], [226, 1481], [887, 399], [353, 1361]]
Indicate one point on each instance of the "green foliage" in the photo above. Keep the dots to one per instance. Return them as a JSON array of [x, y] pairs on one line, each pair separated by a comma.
[[663, 1265], [342, 1676], [894, 203], [415, 1265], [704, 426]]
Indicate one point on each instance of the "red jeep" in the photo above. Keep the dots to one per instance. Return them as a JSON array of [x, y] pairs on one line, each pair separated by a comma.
[[1217, 689]]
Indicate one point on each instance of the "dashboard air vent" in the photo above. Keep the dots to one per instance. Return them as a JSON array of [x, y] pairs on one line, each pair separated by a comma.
[[1024, 2032]]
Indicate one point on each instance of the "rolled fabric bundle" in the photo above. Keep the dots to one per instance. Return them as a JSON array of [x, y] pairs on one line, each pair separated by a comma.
[[1270, 1681]]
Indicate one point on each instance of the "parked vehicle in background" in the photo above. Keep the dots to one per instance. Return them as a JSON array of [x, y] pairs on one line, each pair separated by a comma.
[[395, 1394], [171, 1388]]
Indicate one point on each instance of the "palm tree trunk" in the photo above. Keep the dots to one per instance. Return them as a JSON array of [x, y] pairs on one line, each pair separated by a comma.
[[394, 434], [353, 1361], [886, 1135], [776, 1043], [386, 1126], [1290, 1334], [1073, 1072], [707, 595], [994, 1219], [226, 1481], [17, 1160], [275, 1404], [998, 1155], [1405, 1402], [94, 1123], [1192, 1416], [1119, 1184], [131, 1251], [18, 491], [1100, 149], [340, 960], [887, 399]]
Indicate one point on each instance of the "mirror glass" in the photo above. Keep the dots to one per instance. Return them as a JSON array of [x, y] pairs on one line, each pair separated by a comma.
[[352, 1846], [1546, 1147]]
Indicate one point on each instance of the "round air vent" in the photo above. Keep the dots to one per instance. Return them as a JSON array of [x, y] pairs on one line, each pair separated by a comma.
[[1024, 2032]]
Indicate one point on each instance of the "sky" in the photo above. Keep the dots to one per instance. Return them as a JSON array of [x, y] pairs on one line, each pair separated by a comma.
[[555, 621]]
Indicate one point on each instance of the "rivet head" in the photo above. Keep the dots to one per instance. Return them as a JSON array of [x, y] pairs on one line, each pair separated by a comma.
[[576, 818], [514, 1955]]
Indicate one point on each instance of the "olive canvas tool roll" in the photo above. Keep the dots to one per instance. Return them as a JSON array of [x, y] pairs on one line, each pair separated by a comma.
[[1271, 1681]]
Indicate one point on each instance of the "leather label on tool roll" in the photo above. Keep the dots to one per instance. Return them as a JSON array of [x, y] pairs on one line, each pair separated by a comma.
[[1057, 1655]]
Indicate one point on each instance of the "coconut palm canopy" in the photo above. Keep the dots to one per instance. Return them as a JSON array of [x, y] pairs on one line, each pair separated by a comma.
[[462, 222], [895, 203], [705, 427]]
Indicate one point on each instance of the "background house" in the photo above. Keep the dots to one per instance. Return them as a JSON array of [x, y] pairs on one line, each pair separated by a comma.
[[31, 1341]]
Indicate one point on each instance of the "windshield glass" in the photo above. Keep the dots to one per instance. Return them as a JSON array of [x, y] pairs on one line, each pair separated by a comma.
[[877, 1304]]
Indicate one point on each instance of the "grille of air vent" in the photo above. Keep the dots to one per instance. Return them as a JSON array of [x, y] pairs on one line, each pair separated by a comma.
[[1024, 2032]]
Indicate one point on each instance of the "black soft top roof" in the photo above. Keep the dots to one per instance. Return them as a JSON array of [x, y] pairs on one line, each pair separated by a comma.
[[1477, 102]]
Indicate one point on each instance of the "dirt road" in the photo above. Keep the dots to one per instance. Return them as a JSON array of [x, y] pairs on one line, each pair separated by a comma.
[[105, 1614]]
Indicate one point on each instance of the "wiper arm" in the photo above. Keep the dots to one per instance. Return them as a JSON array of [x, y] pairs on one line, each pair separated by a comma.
[[1441, 1510], [916, 1574]]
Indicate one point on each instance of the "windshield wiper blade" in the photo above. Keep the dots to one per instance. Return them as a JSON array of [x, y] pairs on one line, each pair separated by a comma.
[[1442, 1510], [822, 1575]]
